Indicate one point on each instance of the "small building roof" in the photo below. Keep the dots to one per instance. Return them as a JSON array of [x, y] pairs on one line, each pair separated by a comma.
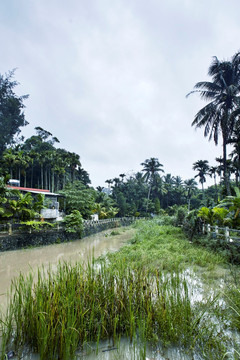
[[32, 190]]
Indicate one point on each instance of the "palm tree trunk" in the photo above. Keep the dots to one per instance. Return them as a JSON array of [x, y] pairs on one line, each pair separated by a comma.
[[42, 176], [31, 176], [49, 179], [149, 191], [225, 172], [46, 178], [53, 181]]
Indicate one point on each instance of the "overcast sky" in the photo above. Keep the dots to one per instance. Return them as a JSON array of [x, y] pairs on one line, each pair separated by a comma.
[[109, 78]]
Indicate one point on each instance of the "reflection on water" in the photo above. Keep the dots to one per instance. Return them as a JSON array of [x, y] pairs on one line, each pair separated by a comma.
[[121, 350], [14, 262]]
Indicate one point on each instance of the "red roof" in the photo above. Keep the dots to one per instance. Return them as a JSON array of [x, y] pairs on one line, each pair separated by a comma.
[[27, 189]]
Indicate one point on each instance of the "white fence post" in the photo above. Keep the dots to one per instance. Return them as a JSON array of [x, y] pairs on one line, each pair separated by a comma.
[[9, 229], [227, 233], [208, 228]]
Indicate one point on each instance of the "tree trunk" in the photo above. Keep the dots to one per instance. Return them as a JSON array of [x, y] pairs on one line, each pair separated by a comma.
[[225, 172], [49, 178], [52, 180], [42, 176], [46, 178], [31, 176]]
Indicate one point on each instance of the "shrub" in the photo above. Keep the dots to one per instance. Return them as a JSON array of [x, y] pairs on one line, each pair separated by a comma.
[[35, 225], [73, 222]]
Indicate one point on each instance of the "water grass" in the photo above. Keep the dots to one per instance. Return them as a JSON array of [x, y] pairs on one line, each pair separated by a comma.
[[59, 313], [165, 248], [140, 293]]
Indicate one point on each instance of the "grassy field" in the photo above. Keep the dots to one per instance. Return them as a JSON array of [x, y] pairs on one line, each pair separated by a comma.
[[145, 291]]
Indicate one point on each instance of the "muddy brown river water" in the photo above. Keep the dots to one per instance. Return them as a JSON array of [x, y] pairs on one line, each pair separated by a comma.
[[25, 260]]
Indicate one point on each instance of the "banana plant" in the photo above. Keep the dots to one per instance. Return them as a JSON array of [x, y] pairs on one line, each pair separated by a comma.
[[232, 203]]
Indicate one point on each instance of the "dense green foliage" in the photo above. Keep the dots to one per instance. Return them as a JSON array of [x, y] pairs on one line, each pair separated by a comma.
[[163, 247], [78, 197], [17, 206], [73, 222], [38, 163], [11, 111], [226, 213]]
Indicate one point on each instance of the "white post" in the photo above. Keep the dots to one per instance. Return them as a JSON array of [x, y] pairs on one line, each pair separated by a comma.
[[9, 229], [208, 228], [227, 233]]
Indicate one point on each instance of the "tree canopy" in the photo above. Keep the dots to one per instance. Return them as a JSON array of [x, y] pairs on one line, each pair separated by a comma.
[[11, 111], [220, 115]]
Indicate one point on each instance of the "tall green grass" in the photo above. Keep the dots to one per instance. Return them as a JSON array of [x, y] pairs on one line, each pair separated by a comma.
[[140, 292], [164, 248], [59, 313]]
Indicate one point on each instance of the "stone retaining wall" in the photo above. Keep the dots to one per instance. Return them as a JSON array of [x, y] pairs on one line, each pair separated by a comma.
[[24, 240]]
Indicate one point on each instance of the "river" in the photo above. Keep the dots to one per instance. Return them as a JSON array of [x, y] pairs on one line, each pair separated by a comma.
[[16, 261]]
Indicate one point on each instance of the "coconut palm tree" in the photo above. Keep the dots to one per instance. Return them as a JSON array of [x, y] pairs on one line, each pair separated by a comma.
[[202, 167], [122, 176], [223, 93], [151, 168], [190, 186], [178, 189], [168, 186], [212, 172], [235, 154], [9, 159]]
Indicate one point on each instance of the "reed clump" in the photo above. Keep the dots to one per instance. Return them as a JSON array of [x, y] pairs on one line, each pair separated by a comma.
[[60, 312]]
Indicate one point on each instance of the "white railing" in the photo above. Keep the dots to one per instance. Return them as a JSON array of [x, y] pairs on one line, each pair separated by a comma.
[[222, 232]]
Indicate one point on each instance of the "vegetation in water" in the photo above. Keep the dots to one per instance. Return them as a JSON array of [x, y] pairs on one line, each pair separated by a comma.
[[165, 248], [140, 292]]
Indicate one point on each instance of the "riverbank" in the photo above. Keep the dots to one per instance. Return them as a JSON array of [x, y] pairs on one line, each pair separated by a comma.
[[167, 295], [20, 239]]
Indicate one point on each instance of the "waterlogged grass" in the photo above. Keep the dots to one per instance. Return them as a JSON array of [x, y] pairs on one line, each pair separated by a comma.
[[61, 312], [164, 248], [140, 292]]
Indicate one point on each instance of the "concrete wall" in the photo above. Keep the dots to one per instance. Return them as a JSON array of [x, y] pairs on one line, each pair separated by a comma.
[[24, 240]]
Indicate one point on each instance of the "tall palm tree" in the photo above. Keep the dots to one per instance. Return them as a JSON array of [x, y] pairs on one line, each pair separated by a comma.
[[223, 93], [122, 176], [168, 186], [212, 172], [151, 168], [109, 182], [202, 167], [235, 154], [190, 186], [178, 189], [9, 159]]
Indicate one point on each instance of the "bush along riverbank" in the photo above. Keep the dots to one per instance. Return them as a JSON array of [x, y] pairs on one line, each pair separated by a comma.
[[158, 290]]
